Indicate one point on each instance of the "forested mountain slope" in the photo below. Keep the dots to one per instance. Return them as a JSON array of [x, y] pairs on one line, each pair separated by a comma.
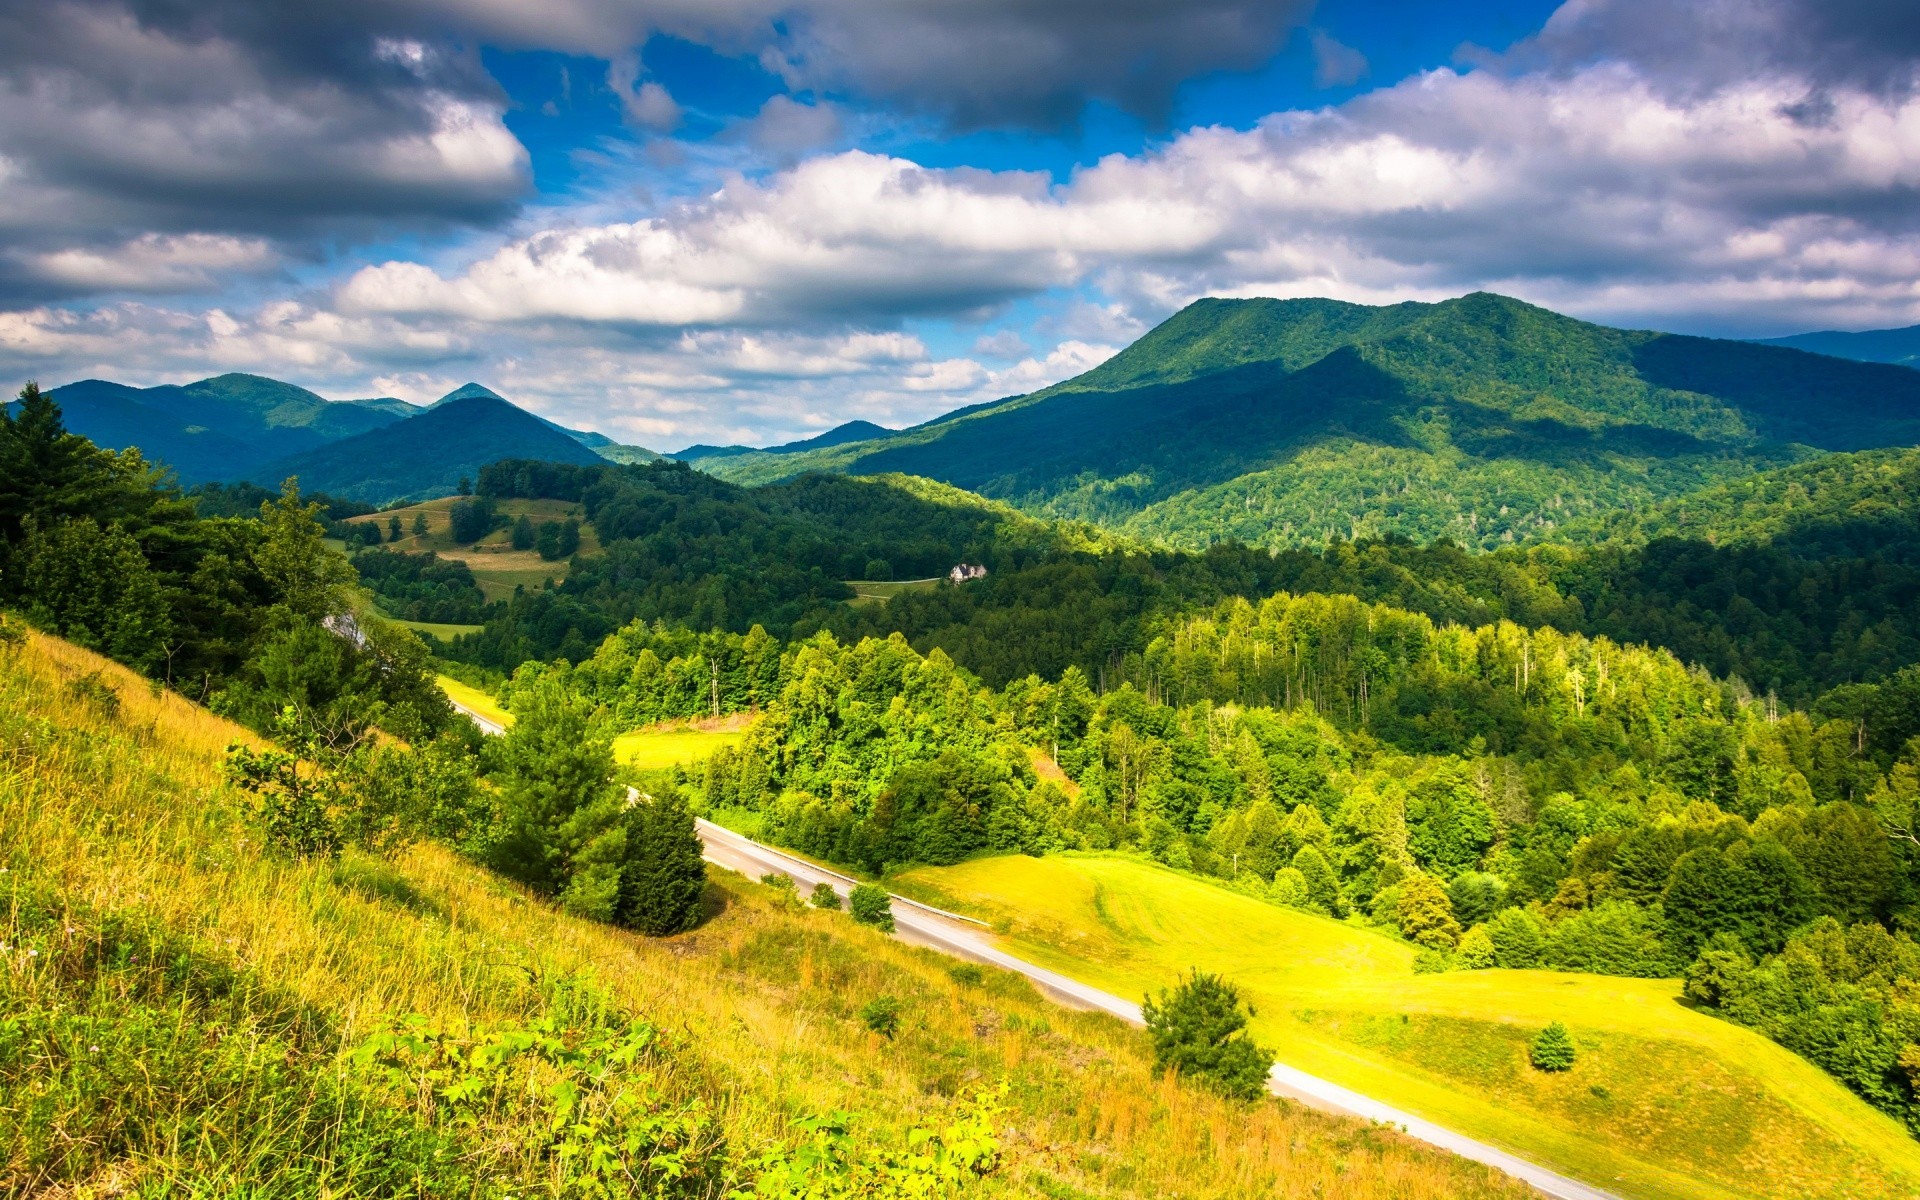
[[1900, 346], [216, 427], [1482, 419], [428, 455]]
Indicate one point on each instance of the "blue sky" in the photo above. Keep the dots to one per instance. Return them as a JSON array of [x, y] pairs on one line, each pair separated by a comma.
[[718, 220]]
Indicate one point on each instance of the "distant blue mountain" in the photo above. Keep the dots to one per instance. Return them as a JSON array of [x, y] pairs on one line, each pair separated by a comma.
[[839, 435], [1900, 346]]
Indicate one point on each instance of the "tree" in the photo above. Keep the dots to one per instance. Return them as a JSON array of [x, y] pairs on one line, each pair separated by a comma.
[[871, 905], [393, 528], [466, 486], [663, 874], [1198, 1029], [825, 897], [420, 524], [1425, 914], [1321, 884], [523, 533], [470, 520], [1552, 1049], [93, 586], [1519, 938], [555, 774], [308, 580]]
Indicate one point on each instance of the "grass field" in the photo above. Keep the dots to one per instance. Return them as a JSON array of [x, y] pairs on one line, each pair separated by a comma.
[[672, 745], [200, 1068], [497, 567], [876, 591], [475, 699], [1664, 1101], [438, 629]]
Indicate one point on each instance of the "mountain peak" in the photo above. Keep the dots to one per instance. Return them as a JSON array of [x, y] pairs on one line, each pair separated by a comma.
[[467, 391]]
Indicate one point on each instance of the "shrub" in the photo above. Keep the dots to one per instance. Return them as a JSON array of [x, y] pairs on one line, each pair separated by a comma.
[[1199, 1029], [1430, 961], [871, 905], [882, 1015], [1289, 887], [1552, 1049], [825, 897], [967, 974]]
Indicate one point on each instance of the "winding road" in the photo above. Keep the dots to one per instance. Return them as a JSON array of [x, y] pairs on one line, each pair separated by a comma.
[[950, 933]]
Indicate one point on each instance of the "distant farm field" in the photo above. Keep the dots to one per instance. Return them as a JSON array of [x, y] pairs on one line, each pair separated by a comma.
[[1663, 1102], [497, 567], [672, 746], [439, 629], [876, 591]]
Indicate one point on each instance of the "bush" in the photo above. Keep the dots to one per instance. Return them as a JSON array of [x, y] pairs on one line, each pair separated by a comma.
[[967, 974], [1430, 961], [1199, 1029], [825, 897], [872, 906], [1552, 1049], [882, 1015]]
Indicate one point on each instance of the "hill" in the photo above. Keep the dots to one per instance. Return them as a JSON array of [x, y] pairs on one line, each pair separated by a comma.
[[1481, 419], [219, 428], [428, 455], [188, 1014], [839, 435], [1736, 1115], [1901, 346]]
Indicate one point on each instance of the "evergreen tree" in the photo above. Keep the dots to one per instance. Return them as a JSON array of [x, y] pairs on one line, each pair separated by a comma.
[[420, 524], [523, 533], [1198, 1029], [663, 874], [1552, 1049], [1322, 885], [555, 774], [393, 528]]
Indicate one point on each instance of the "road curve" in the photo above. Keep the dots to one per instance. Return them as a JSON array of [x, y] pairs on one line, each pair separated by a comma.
[[963, 937]]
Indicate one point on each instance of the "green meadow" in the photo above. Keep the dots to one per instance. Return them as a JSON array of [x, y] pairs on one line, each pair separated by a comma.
[[1664, 1101]]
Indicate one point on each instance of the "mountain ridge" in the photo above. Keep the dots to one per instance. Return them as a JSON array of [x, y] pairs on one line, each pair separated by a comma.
[[1482, 418]]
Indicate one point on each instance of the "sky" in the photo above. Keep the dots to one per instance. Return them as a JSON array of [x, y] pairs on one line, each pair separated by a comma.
[[750, 220]]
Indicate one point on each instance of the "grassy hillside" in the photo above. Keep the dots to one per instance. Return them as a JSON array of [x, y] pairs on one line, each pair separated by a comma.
[[183, 1014], [429, 454], [497, 567], [1663, 1102], [1481, 419]]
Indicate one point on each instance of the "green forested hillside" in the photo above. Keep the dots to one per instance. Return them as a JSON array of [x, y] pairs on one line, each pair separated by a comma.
[[219, 428], [1900, 346], [1480, 419], [430, 454]]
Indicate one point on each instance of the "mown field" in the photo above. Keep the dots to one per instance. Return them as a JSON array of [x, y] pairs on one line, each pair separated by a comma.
[[676, 743], [183, 1010], [497, 567], [879, 591], [1663, 1102]]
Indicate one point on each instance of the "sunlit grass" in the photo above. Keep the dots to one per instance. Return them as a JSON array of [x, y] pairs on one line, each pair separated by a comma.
[[126, 811], [650, 749], [1665, 1100], [475, 699]]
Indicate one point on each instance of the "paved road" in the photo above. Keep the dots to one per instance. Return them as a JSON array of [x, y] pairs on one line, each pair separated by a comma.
[[963, 937]]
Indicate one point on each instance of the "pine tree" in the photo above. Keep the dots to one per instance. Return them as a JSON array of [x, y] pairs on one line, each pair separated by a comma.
[[1198, 1029], [1552, 1049], [663, 874]]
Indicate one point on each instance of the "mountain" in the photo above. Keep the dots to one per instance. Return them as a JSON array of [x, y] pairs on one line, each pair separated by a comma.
[[428, 455], [599, 443], [1901, 346], [216, 427], [1482, 419], [839, 435]]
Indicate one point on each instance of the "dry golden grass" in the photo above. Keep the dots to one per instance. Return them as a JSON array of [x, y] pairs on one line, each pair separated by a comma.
[[127, 811]]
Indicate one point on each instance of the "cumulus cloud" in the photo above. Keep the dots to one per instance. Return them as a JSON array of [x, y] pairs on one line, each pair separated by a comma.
[[120, 124], [1597, 190], [1335, 64]]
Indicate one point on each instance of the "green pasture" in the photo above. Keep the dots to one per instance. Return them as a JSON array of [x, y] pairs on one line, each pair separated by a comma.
[[1665, 1101]]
